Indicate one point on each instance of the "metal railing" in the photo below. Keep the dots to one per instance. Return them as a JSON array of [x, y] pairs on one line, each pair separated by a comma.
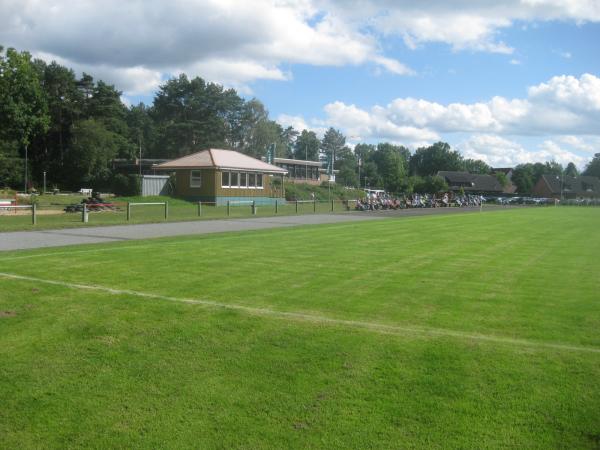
[[130, 204], [33, 208]]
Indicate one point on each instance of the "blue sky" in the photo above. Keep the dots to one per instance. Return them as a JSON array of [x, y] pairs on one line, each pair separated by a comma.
[[506, 81]]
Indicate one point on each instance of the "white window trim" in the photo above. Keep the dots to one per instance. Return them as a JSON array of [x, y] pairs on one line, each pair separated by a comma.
[[194, 180], [245, 186], [262, 181]]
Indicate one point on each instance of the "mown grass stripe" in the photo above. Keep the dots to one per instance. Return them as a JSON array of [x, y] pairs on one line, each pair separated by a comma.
[[371, 326]]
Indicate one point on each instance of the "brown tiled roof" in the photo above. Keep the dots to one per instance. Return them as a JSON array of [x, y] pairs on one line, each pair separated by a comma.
[[476, 182], [220, 159], [581, 185]]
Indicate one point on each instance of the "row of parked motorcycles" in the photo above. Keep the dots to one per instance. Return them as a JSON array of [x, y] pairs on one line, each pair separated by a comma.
[[372, 203]]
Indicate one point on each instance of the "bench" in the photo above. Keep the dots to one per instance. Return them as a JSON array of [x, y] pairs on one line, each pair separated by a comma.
[[85, 192]]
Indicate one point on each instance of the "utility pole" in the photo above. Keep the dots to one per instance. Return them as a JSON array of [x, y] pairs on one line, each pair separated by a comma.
[[306, 159], [140, 160], [26, 180]]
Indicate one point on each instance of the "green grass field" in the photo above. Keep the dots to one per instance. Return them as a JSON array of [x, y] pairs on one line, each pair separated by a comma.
[[459, 331]]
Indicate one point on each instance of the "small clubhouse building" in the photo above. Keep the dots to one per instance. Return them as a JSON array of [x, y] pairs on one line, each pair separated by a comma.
[[218, 176]]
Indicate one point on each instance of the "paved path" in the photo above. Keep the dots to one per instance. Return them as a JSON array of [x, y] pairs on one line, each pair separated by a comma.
[[20, 240]]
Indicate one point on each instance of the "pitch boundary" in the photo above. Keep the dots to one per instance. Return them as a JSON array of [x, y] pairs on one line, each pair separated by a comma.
[[313, 318]]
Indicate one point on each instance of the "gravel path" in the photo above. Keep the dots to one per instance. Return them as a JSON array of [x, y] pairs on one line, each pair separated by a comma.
[[20, 240]]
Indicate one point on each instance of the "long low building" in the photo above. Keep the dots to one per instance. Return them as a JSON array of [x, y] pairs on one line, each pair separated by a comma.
[[302, 171], [471, 183], [218, 176], [555, 186]]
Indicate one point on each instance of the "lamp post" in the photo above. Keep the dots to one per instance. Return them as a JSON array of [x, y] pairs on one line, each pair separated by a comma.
[[561, 179]]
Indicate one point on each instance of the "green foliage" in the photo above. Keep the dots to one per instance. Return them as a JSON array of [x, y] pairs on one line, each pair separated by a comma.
[[502, 179], [593, 167], [391, 162], [525, 176], [429, 185], [307, 146], [193, 115], [332, 142], [429, 160], [11, 171], [476, 166], [89, 156], [345, 162], [23, 107], [126, 185]]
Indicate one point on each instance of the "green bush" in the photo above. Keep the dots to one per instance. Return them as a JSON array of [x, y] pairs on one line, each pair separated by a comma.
[[126, 185], [11, 172]]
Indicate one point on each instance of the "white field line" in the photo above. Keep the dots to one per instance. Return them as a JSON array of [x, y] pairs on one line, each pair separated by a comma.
[[371, 326]]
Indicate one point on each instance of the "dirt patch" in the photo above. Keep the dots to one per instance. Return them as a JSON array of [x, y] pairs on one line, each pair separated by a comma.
[[8, 314], [108, 340]]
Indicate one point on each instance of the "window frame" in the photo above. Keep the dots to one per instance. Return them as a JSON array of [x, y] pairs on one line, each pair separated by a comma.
[[223, 174], [195, 181], [237, 179]]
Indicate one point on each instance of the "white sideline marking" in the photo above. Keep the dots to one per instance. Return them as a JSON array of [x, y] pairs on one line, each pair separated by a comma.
[[372, 326]]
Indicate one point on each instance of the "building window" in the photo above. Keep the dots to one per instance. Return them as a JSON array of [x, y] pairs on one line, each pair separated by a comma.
[[243, 179], [251, 180], [195, 178], [225, 179], [233, 179], [259, 180]]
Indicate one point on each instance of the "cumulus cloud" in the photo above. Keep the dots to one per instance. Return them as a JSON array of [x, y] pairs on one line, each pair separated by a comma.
[[564, 105], [472, 25], [501, 152], [237, 42], [561, 113], [228, 41]]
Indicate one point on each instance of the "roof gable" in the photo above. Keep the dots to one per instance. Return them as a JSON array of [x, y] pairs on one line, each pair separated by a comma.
[[220, 159], [572, 185]]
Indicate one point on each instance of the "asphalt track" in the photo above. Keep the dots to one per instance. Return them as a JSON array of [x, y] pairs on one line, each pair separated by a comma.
[[22, 240]]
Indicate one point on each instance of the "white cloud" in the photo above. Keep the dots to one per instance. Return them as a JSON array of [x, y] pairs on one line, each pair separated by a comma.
[[589, 144], [564, 105], [471, 25], [500, 152], [228, 41], [235, 42], [299, 123]]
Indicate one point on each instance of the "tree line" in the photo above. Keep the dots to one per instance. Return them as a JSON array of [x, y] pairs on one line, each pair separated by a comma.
[[73, 127]]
